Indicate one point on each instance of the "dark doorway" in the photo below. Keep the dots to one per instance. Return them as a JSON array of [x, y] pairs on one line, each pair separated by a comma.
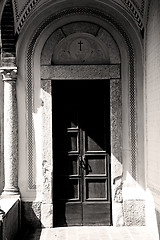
[[81, 142]]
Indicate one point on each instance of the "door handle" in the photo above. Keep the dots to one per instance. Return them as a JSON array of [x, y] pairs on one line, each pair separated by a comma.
[[82, 162]]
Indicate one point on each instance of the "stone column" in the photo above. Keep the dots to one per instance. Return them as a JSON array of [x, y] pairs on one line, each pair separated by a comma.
[[9, 76]]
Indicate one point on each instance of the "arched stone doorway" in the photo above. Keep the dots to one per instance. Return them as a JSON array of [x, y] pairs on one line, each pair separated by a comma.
[[81, 62], [36, 66]]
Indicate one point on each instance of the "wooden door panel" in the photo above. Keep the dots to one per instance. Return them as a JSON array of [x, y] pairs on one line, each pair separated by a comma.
[[73, 214], [69, 188], [71, 116], [82, 154], [95, 189], [68, 214], [96, 214], [96, 202], [96, 164], [72, 141], [72, 165], [94, 140]]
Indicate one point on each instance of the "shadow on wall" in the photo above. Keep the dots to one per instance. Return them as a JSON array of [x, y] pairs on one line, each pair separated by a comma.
[[31, 224], [158, 221]]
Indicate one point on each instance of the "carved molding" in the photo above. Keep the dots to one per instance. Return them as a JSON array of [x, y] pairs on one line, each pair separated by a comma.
[[23, 14], [135, 10], [28, 6], [137, 15]]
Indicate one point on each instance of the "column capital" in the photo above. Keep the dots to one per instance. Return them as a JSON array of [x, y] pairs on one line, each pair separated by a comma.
[[8, 73]]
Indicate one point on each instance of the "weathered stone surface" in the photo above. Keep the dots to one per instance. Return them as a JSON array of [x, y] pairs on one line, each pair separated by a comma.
[[116, 117], [116, 147], [80, 27], [98, 45], [80, 72], [50, 46], [134, 212], [47, 215], [47, 158], [118, 215], [111, 45], [81, 48]]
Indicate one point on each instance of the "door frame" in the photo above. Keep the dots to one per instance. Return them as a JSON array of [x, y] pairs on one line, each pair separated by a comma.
[[107, 72], [82, 203]]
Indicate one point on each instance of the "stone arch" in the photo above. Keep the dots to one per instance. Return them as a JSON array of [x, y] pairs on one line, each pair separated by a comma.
[[131, 73], [128, 71]]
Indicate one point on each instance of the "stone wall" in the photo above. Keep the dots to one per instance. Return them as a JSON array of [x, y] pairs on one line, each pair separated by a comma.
[[1, 137], [152, 88]]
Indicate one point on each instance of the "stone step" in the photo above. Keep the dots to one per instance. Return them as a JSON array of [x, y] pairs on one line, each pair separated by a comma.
[[90, 233]]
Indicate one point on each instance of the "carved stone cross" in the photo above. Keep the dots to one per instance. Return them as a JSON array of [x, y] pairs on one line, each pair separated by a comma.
[[80, 43]]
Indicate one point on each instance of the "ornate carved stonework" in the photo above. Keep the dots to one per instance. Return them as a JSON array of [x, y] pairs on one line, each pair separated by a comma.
[[136, 11], [8, 74], [80, 48], [23, 8]]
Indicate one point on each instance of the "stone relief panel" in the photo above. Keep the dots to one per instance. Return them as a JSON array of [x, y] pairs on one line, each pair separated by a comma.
[[80, 48], [80, 43]]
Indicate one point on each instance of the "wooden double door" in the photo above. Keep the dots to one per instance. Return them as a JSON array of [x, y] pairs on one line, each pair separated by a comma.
[[81, 127]]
